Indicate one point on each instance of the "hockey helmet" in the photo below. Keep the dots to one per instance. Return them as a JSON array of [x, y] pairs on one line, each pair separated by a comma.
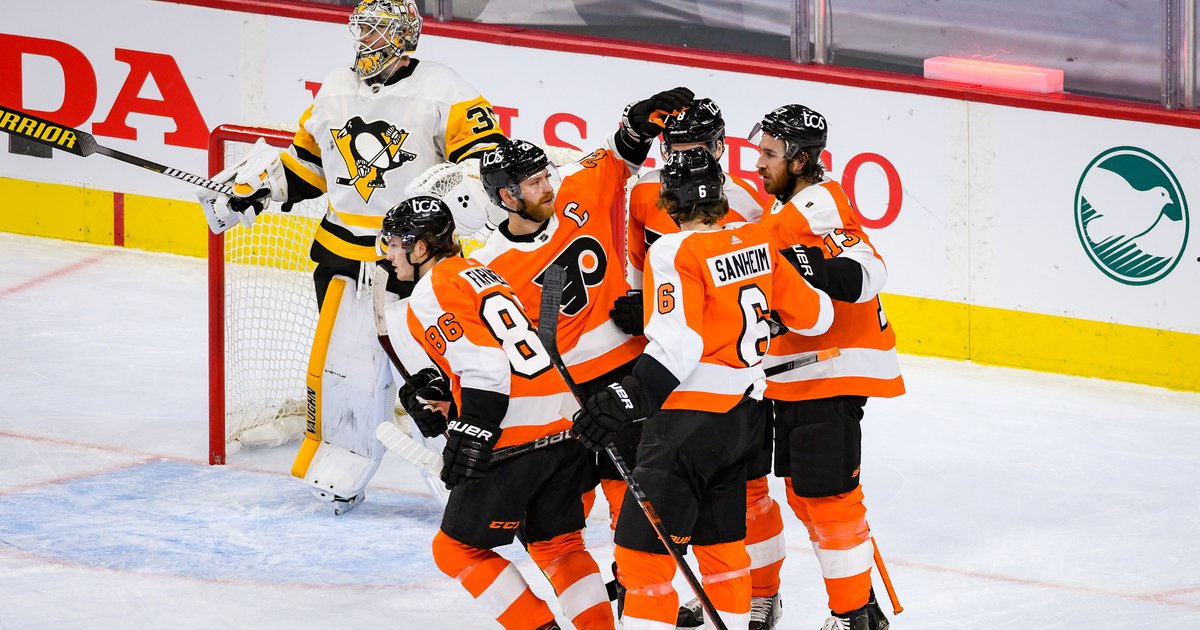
[[384, 31], [422, 217], [700, 122], [799, 127], [692, 176], [510, 163]]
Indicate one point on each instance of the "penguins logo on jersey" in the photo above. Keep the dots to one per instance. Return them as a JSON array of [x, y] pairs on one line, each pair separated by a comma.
[[585, 262], [370, 150]]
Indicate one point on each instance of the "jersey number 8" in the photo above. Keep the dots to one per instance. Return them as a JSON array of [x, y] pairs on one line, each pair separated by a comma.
[[509, 325]]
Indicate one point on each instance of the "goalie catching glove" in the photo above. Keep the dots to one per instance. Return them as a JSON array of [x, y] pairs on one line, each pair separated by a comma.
[[256, 178], [646, 119], [420, 395], [468, 453], [460, 188], [604, 414]]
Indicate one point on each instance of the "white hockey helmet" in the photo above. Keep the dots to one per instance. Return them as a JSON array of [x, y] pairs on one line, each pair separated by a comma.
[[384, 31]]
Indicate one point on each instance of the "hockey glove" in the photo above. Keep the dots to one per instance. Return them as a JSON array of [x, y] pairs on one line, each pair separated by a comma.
[[627, 313], [605, 413], [468, 454], [646, 119], [418, 395], [810, 262]]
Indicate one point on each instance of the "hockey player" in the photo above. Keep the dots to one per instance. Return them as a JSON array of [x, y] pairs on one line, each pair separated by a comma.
[[564, 217], [818, 408], [371, 129], [701, 125], [712, 289], [505, 393]]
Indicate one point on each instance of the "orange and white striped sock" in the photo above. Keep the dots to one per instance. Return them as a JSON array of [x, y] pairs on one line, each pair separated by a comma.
[[838, 529], [576, 578], [725, 571], [764, 538], [614, 493], [493, 581], [651, 602]]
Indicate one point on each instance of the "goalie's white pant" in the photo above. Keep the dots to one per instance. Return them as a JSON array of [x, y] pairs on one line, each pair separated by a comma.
[[350, 392]]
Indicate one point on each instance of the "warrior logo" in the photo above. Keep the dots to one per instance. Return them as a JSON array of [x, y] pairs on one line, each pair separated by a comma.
[[1131, 215], [370, 150], [586, 263]]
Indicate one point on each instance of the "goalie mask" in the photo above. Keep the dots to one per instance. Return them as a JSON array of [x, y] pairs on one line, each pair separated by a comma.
[[384, 31], [799, 127], [699, 123], [511, 163], [422, 218], [692, 184]]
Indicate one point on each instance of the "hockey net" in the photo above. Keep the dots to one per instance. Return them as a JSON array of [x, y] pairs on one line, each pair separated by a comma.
[[263, 310]]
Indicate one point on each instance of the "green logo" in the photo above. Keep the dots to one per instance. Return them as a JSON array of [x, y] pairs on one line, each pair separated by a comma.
[[1131, 215]]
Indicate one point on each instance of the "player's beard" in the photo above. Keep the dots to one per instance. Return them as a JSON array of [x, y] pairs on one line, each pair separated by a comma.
[[779, 187], [542, 210]]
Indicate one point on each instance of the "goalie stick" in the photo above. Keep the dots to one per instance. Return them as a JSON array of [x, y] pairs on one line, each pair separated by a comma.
[[83, 144], [553, 281]]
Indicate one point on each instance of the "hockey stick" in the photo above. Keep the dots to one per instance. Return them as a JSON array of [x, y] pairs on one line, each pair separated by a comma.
[[808, 359], [553, 281], [83, 144], [887, 581]]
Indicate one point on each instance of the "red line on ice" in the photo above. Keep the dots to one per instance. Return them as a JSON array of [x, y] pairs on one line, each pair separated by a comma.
[[28, 284]]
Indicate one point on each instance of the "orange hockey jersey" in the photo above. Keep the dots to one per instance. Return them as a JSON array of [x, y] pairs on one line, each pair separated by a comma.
[[647, 222], [468, 320], [712, 293], [580, 237], [821, 216]]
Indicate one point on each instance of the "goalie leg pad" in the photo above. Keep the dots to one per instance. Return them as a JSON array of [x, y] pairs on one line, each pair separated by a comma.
[[819, 444], [350, 388], [334, 471]]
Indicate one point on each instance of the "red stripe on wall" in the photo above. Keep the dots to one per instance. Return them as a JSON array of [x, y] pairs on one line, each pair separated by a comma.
[[119, 219]]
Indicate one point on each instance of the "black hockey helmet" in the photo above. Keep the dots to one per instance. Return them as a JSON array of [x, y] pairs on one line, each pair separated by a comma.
[[507, 165], [422, 217], [691, 177], [799, 127], [700, 122]]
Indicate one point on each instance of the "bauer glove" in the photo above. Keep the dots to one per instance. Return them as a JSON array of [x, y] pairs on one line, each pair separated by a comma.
[[627, 313], [646, 119], [418, 396], [468, 454], [810, 262], [605, 413]]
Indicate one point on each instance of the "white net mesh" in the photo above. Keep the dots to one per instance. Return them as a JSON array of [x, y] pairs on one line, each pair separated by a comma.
[[270, 316]]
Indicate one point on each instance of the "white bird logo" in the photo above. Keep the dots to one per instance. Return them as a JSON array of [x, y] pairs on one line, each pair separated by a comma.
[[1122, 210]]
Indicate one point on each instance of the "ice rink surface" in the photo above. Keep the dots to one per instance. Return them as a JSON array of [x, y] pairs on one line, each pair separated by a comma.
[[1000, 498]]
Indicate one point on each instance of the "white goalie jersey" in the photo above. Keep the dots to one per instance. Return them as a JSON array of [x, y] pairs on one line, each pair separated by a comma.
[[362, 145]]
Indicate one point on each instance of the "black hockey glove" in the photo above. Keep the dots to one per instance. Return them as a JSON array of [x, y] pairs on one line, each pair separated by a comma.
[[646, 119], [810, 262], [605, 413], [468, 453], [426, 386], [627, 313]]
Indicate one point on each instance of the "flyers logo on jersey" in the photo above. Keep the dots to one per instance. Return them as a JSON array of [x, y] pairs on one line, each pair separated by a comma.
[[740, 265], [370, 150], [586, 263]]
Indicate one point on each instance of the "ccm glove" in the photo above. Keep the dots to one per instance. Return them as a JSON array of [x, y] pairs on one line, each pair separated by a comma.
[[646, 119], [605, 413], [423, 388], [468, 454], [627, 313], [810, 262]]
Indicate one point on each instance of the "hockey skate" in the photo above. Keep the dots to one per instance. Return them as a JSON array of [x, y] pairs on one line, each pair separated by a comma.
[[869, 617], [765, 612], [341, 505], [691, 615]]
